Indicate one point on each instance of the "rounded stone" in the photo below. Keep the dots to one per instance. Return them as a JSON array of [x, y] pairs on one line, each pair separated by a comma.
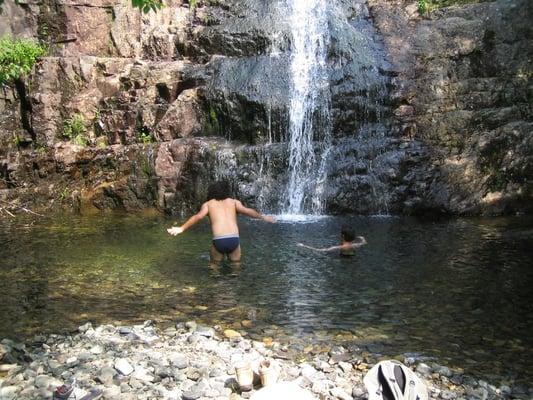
[[123, 366], [231, 334]]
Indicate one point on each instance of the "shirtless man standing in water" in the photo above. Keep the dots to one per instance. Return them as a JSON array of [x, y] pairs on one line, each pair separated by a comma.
[[222, 211]]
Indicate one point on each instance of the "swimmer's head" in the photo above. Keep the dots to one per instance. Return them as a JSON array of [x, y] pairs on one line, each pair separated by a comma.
[[347, 234], [219, 190]]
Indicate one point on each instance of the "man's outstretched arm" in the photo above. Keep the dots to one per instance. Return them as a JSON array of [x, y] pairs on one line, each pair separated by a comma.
[[176, 230], [250, 212]]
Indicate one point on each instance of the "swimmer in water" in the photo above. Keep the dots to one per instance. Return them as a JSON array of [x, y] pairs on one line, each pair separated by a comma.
[[347, 246]]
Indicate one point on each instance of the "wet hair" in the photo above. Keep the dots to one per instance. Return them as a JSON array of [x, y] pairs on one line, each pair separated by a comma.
[[347, 234], [219, 190]]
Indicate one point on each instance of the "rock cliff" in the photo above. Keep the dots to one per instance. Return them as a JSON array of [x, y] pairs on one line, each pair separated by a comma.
[[428, 112]]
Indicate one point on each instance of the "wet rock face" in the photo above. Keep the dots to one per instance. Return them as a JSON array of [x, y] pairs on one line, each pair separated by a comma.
[[427, 114], [464, 95], [117, 177], [118, 99]]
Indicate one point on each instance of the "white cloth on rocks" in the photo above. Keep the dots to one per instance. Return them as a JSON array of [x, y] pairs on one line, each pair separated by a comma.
[[283, 391]]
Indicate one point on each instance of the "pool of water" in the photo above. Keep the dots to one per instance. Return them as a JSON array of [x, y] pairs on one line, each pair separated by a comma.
[[459, 290]]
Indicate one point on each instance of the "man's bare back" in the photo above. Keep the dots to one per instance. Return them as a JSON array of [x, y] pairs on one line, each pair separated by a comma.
[[223, 216]]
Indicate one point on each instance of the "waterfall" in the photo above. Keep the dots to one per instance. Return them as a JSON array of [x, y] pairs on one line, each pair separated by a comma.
[[309, 127]]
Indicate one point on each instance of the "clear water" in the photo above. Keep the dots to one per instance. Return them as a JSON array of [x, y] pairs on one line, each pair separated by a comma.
[[309, 131], [458, 290]]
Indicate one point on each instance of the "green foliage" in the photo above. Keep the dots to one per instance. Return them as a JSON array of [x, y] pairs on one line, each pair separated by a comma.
[[40, 149], [81, 140], [64, 193], [16, 140], [144, 166], [74, 129], [193, 4], [213, 115], [147, 5], [213, 125], [145, 136], [17, 58], [423, 6]]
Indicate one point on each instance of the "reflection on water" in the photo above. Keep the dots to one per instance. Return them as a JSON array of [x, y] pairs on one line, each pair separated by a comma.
[[458, 290]]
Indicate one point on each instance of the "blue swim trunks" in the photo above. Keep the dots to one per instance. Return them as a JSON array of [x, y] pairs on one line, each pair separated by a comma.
[[226, 244]]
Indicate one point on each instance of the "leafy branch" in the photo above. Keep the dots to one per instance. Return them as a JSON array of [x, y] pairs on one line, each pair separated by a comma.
[[147, 5], [17, 58]]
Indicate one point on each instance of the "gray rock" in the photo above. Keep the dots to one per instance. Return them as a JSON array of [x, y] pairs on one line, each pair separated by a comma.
[[195, 391], [444, 371], [112, 392], [340, 394], [72, 362], [194, 374], [324, 367], [505, 390], [215, 372], [190, 325], [164, 372], [123, 366], [478, 393], [345, 367], [191, 395], [423, 369], [282, 390], [136, 384], [338, 357], [457, 379], [358, 392], [45, 381], [448, 395], [85, 357], [53, 364], [308, 371], [98, 349], [85, 327], [192, 339], [469, 381], [322, 387], [142, 374], [125, 388], [179, 361], [9, 392], [205, 331], [106, 375], [28, 393]]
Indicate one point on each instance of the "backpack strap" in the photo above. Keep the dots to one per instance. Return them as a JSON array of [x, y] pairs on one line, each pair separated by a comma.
[[388, 391], [415, 389], [377, 384], [389, 369], [399, 375]]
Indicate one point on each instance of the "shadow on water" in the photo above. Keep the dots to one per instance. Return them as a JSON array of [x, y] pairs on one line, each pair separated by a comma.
[[458, 290]]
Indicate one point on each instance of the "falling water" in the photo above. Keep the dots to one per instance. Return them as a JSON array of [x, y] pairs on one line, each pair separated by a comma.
[[309, 131]]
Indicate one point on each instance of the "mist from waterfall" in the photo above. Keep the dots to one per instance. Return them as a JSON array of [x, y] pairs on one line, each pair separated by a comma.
[[309, 132]]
